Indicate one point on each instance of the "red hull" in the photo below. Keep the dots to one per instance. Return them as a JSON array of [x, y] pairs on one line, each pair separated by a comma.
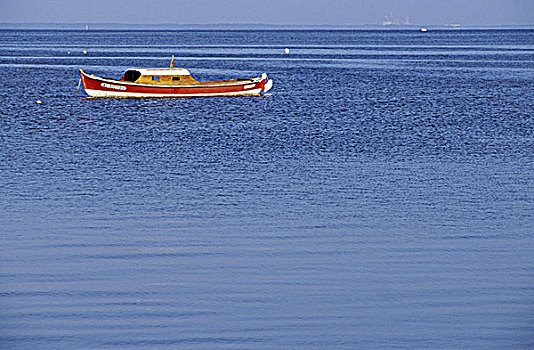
[[101, 87]]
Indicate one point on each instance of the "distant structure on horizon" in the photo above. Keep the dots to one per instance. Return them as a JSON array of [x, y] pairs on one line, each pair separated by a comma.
[[391, 19]]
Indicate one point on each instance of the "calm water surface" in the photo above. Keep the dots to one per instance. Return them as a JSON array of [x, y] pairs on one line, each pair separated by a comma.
[[381, 197]]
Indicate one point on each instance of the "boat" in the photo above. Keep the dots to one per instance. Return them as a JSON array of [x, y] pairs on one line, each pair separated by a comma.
[[170, 82]]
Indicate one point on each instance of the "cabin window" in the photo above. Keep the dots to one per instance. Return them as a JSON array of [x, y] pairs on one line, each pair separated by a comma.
[[175, 78], [155, 78], [131, 75]]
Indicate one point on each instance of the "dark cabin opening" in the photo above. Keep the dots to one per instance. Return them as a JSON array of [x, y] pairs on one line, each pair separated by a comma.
[[131, 75]]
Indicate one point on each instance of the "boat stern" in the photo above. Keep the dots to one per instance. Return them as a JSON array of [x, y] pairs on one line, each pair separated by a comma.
[[267, 83]]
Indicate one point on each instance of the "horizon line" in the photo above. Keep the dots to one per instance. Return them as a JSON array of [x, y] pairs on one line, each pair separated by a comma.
[[222, 24]]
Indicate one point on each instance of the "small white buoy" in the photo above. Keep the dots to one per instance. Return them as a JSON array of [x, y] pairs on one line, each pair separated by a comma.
[[68, 52], [424, 30], [84, 52], [38, 102], [286, 50]]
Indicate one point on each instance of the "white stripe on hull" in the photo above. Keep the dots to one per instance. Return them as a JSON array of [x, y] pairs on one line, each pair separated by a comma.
[[100, 93]]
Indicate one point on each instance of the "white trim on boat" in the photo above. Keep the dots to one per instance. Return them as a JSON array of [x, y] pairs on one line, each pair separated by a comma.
[[162, 71], [100, 93]]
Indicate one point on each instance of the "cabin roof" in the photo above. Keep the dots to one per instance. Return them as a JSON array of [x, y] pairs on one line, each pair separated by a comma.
[[162, 71]]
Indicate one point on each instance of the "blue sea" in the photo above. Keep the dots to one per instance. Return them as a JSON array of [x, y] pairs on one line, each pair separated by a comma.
[[381, 196]]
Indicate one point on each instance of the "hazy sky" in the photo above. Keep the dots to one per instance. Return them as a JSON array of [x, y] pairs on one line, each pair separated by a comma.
[[298, 12]]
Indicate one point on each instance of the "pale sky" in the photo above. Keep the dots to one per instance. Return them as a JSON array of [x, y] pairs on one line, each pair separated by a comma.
[[288, 12]]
